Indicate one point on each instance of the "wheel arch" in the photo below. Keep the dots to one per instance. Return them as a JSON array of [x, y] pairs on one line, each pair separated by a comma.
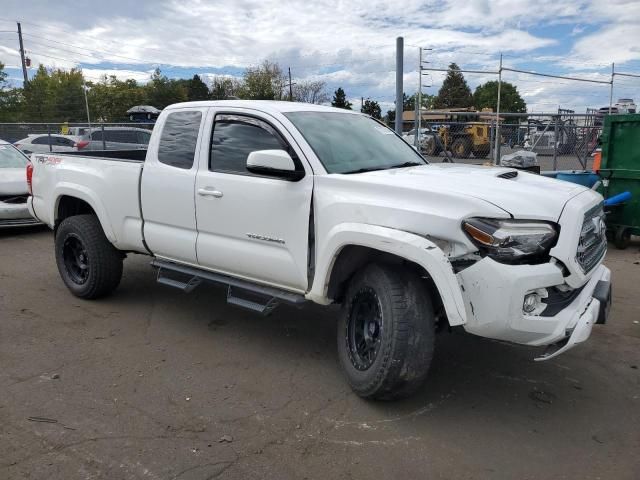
[[351, 246], [78, 202]]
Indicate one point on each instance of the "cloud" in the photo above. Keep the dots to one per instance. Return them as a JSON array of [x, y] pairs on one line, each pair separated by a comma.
[[625, 37], [349, 44]]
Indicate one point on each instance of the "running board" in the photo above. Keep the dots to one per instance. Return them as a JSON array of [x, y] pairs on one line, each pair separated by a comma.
[[258, 303], [194, 276], [186, 287]]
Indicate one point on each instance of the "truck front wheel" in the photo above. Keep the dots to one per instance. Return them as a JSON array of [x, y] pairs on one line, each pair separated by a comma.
[[89, 265], [386, 332]]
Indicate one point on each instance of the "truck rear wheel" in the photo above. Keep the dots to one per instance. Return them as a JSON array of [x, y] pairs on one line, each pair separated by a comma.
[[461, 147], [481, 152], [89, 265], [431, 146], [386, 333]]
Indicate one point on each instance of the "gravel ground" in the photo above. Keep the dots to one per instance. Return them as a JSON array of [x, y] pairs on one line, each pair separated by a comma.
[[153, 383]]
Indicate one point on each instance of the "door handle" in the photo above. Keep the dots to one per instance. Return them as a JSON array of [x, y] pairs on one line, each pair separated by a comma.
[[206, 192]]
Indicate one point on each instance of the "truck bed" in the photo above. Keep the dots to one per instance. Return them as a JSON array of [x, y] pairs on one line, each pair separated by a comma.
[[110, 186]]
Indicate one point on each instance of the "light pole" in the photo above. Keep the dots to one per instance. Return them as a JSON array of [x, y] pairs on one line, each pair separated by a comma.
[[86, 103]]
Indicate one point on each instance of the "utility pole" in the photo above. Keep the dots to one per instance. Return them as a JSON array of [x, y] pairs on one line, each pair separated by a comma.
[[399, 86], [24, 65], [496, 150], [86, 102], [418, 123], [418, 119], [290, 87], [611, 88], [361, 104]]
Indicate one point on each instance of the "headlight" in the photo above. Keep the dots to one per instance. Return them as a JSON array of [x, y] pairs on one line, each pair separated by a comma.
[[509, 240]]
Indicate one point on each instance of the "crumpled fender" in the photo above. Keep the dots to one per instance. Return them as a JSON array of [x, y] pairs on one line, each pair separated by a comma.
[[407, 245]]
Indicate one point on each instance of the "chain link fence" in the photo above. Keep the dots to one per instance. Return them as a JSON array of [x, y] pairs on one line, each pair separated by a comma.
[[65, 137], [562, 140]]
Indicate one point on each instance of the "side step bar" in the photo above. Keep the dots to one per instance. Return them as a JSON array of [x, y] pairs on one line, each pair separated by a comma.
[[263, 298]]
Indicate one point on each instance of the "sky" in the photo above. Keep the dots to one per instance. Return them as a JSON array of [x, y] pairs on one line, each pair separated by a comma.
[[348, 44]]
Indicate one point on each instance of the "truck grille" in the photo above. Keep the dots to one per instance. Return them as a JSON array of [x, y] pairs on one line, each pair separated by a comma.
[[593, 241]]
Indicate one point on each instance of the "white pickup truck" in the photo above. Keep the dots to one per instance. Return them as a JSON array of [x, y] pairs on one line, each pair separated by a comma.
[[289, 202]]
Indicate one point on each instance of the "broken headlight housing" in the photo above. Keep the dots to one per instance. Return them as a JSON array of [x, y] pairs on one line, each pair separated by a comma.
[[511, 241]]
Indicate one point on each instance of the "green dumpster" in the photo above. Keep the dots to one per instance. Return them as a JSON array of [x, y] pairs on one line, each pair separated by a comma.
[[620, 172]]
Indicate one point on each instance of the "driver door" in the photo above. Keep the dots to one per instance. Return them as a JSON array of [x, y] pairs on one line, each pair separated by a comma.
[[252, 226]]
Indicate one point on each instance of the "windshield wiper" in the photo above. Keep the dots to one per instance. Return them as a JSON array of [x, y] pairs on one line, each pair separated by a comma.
[[408, 164], [373, 169], [363, 170]]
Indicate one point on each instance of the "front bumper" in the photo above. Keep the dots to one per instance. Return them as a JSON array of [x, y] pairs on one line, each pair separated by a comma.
[[15, 215], [494, 294]]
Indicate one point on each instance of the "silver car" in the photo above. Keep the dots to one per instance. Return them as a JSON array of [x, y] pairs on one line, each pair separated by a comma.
[[13, 188], [116, 138]]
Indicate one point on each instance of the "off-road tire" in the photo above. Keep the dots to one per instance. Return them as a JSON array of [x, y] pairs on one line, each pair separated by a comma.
[[622, 238], [103, 261], [407, 334], [431, 146], [461, 148], [481, 152]]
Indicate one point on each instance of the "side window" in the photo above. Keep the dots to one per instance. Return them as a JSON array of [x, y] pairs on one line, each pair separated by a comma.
[[96, 135], [143, 138], [129, 136], [179, 138], [44, 140], [112, 136], [235, 137], [64, 142]]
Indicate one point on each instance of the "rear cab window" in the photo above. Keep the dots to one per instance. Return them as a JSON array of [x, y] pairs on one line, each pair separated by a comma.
[[179, 139]]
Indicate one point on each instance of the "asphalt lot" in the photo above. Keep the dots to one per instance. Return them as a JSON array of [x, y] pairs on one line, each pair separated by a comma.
[[153, 383]]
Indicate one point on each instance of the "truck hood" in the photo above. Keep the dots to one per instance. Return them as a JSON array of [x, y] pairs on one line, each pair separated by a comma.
[[13, 181], [521, 194]]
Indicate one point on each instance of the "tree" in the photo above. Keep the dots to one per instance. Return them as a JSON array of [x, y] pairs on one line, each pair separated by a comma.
[[162, 92], [3, 77], [390, 117], [486, 96], [10, 99], [197, 89], [264, 82], [54, 96], [110, 98], [427, 101], [454, 93], [225, 87], [310, 92], [340, 100], [372, 108]]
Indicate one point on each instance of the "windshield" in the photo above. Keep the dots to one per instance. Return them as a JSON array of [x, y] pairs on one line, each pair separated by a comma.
[[347, 143], [10, 157]]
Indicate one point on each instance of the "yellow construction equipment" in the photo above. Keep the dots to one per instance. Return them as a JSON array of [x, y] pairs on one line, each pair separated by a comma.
[[462, 135]]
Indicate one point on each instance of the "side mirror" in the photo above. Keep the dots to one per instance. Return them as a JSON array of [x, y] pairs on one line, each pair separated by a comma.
[[273, 163]]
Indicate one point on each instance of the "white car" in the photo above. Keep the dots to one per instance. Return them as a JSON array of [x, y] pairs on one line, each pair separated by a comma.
[[625, 105], [39, 143], [291, 202], [410, 136], [13, 188]]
